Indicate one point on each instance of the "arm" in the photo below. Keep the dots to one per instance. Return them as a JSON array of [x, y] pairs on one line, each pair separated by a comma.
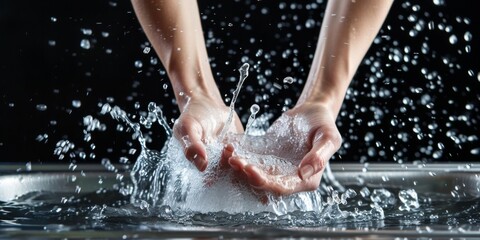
[[174, 29], [348, 30]]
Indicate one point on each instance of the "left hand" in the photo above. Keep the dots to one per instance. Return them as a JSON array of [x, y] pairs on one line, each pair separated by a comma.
[[306, 136]]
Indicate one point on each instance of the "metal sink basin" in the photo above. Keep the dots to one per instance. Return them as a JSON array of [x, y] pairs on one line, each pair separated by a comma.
[[444, 181]]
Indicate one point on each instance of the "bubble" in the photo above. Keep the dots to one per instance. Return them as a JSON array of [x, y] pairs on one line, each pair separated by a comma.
[[254, 109], [53, 19]]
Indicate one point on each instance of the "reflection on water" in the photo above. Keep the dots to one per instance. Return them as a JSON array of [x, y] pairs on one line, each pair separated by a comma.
[[112, 210]]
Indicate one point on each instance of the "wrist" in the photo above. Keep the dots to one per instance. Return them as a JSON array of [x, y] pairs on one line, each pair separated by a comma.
[[194, 88], [329, 93]]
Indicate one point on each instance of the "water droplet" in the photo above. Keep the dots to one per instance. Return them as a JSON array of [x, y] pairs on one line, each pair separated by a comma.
[[254, 109], [76, 103], [41, 107], [28, 166], [138, 64], [467, 36], [310, 23], [85, 44], [146, 50], [86, 31], [453, 39], [475, 151], [288, 80]]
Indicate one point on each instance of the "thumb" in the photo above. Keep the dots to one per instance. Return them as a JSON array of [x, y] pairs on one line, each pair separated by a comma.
[[189, 134], [324, 145]]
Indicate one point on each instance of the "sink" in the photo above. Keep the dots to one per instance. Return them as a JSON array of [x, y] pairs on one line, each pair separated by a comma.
[[455, 184]]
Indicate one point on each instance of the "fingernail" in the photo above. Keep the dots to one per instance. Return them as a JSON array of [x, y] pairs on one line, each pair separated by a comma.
[[306, 172], [201, 164], [233, 165]]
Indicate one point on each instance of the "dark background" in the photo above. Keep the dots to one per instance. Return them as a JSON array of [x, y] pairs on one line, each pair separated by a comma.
[[416, 97]]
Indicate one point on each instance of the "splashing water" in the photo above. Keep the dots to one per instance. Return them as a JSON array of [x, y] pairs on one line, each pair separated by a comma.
[[165, 179], [243, 75]]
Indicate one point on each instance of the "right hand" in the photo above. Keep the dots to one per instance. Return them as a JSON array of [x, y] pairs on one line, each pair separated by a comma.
[[200, 123]]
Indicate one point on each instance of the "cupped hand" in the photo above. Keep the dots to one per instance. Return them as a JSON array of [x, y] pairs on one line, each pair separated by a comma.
[[306, 136], [200, 123]]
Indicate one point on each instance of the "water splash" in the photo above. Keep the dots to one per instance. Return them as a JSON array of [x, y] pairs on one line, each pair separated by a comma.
[[167, 179], [243, 75]]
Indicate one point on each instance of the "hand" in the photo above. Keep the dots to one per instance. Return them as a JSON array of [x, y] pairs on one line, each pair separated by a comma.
[[306, 136], [201, 122]]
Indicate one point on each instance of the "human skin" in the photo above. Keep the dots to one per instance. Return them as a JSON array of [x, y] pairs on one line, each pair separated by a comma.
[[174, 29], [348, 29]]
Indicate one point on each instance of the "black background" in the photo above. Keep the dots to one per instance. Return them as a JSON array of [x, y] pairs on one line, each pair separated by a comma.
[[431, 112]]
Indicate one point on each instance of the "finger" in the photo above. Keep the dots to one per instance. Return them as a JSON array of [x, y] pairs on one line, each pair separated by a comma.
[[237, 163], [262, 181], [256, 177], [227, 153], [189, 135], [325, 144], [276, 184]]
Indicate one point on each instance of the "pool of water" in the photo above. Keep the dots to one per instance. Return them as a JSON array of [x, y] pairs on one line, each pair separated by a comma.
[[65, 201]]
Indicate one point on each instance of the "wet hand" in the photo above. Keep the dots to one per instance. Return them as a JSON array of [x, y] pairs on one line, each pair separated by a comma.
[[201, 122], [306, 136]]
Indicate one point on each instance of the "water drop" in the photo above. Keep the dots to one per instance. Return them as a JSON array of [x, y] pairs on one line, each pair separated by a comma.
[[138, 64], [288, 80], [475, 151], [41, 107], [86, 31], [453, 39], [85, 44], [146, 50], [76, 103]]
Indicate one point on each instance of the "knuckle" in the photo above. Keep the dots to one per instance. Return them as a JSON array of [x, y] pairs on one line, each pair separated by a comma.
[[334, 136]]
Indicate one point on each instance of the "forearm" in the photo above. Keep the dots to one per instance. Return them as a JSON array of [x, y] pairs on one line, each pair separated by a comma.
[[174, 29], [348, 30]]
